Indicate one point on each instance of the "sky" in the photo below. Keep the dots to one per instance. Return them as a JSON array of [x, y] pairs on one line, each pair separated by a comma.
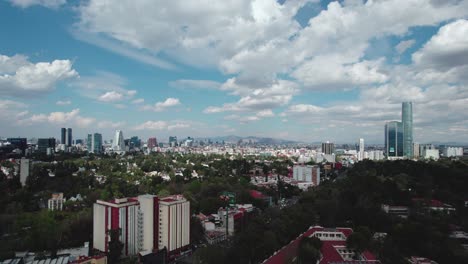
[[304, 70]]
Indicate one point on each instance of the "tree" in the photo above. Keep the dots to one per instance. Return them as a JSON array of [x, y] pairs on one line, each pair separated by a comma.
[[308, 251], [115, 246]]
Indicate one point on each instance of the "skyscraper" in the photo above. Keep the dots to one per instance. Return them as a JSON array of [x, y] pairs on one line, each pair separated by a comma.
[[119, 143], [394, 139], [407, 120], [361, 149], [152, 143], [328, 148], [94, 143], [69, 137], [173, 141], [63, 138]]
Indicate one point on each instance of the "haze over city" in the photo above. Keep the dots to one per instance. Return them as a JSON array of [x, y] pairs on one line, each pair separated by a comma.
[[298, 70]]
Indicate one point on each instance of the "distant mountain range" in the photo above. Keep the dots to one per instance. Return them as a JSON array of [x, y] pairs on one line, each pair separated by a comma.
[[258, 140]]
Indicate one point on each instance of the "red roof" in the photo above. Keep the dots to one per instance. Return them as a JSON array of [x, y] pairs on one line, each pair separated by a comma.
[[328, 250], [256, 194]]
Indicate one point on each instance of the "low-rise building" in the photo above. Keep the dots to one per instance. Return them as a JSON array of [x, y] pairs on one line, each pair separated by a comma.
[[55, 203], [333, 248]]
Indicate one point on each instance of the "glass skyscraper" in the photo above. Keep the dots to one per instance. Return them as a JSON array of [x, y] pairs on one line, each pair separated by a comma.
[[394, 139], [407, 120]]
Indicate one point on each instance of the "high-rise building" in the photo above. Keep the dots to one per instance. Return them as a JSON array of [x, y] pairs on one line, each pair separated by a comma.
[[94, 143], [45, 145], [173, 141], [416, 153], [63, 136], [394, 139], [307, 173], [328, 148], [146, 223], [21, 143], [152, 143], [69, 137], [407, 121], [119, 143], [134, 142], [361, 149], [24, 170]]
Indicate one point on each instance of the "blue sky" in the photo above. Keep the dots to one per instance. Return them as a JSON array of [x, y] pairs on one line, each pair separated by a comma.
[[294, 69]]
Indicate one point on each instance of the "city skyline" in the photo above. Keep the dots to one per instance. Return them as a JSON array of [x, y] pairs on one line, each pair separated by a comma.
[[306, 71]]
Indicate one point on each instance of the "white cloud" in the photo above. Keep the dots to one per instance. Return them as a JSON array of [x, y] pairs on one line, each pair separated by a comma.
[[195, 84], [256, 99], [19, 77], [404, 45], [138, 101], [110, 124], [162, 106], [112, 96], [447, 49], [163, 125], [63, 102], [46, 3], [104, 87], [59, 118]]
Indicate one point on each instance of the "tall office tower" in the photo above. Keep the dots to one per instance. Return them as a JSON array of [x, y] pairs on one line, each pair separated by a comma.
[[328, 148], [119, 143], [361, 149], [416, 153], [152, 143], [46, 145], [24, 170], [69, 137], [394, 139], [63, 138], [146, 223], [407, 120], [134, 142], [173, 141], [94, 143]]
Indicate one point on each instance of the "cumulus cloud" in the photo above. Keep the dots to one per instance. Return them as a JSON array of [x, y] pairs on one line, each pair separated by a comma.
[[256, 99], [162, 106], [59, 118], [447, 49], [46, 3], [19, 77]]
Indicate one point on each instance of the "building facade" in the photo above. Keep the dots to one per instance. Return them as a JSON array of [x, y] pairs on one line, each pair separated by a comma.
[[174, 223], [328, 148], [94, 143], [119, 143], [407, 122], [152, 143], [361, 149], [146, 223], [45, 145], [307, 173], [55, 203], [63, 136], [394, 139], [69, 137], [24, 170]]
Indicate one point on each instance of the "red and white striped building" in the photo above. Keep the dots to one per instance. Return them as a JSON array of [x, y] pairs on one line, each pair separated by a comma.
[[146, 223]]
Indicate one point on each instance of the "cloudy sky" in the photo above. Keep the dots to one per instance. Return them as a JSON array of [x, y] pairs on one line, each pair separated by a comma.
[[295, 69]]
